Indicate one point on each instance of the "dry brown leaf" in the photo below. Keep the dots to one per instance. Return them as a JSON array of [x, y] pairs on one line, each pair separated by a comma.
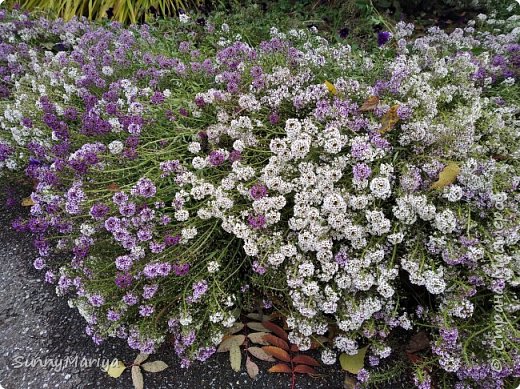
[[277, 330], [141, 358], [306, 360], [499, 157], [304, 369], [349, 383], [280, 368], [260, 354], [113, 187], [236, 327], [414, 358], [276, 315], [154, 367], [389, 120], [418, 342], [316, 343], [137, 377], [258, 338], [229, 342], [255, 326], [447, 176], [278, 353], [252, 368], [370, 104], [276, 341], [258, 317]]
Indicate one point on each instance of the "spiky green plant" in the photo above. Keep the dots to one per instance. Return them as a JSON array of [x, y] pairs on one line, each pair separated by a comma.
[[124, 11]]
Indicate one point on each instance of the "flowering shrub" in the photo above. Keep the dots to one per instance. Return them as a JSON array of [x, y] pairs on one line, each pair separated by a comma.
[[356, 192]]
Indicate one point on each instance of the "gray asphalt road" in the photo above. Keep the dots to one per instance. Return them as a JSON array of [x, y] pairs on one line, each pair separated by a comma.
[[43, 343]]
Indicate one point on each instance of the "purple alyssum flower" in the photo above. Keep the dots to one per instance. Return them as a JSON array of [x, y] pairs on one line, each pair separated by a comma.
[[361, 171], [216, 158], [96, 300], [130, 299], [149, 291], [258, 191], [383, 37], [146, 310], [256, 221]]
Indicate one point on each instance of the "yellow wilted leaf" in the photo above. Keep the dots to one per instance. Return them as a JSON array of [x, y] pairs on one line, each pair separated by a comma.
[[330, 86], [370, 104], [389, 120], [114, 370], [353, 363], [235, 357], [447, 176], [27, 202]]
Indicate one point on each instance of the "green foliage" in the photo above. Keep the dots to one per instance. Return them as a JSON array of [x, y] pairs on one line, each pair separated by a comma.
[[124, 11]]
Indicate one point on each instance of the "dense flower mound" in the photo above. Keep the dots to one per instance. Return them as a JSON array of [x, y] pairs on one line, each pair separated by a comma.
[[357, 192]]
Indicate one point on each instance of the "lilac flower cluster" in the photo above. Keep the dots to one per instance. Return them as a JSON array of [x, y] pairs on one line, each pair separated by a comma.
[[169, 180]]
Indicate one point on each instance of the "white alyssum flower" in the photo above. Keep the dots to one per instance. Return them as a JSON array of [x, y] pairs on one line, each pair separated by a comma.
[[87, 229], [194, 147], [213, 266], [116, 147], [380, 187], [184, 18]]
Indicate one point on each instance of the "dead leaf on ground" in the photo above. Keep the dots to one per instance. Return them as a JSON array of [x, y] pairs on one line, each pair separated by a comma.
[[236, 327], [305, 360], [280, 368], [141, 357], [418, 342], [276, 341], [229, 342], [154, 367], [414, 358], [304, 369], [349, 383], [258, 317], [277, 330], [235, 357], [137, 377], [255, 326], [277, 352], [252, 368], [258, 338], [257, 352], [353, 363], [115, 370]]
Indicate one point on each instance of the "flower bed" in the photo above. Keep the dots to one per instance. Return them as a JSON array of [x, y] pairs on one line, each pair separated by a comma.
[[177, 181]]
